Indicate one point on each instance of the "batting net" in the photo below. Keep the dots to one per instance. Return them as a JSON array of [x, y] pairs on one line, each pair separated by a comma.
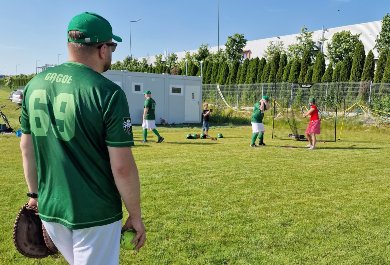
[[340, 105], [291, 101]]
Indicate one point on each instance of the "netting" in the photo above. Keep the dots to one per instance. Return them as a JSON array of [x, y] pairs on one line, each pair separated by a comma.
[[339, 104]]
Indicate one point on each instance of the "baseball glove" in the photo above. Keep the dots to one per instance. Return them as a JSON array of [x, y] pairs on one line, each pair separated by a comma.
[[30, 237]]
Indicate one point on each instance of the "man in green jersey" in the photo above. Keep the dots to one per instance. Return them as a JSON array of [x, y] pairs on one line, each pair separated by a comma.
[[257, 121], [76, 151], [149, 118]]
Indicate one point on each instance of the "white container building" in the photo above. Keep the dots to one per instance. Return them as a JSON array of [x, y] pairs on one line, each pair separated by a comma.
[[178, 98]]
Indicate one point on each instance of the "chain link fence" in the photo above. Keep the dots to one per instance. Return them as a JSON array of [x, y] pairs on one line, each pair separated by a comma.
[[342, 94], [338, 103]]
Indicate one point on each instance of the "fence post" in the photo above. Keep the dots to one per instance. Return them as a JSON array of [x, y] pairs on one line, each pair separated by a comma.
[[237, 96], [262, 89], [326, 95], [369, 94], [326, 90], [291, 98], [216, 94]]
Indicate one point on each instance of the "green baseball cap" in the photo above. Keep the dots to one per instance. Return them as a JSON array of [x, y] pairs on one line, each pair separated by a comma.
[[147, 92], [266, 98], [95, 28], [312, 100]]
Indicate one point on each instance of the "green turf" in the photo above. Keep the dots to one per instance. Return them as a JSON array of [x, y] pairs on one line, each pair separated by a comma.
[[222, 202]]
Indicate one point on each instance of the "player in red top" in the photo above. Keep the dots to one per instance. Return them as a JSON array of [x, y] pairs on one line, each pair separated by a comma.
[[314, 125]]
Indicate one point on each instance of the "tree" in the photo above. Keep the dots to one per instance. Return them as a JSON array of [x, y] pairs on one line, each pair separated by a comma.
[[116, 66], [345, 71], [214, 73], [266, 71], [234, 47], [369, 67], [294, 71], [386, 73], [286, 72], [380, 67], [192, 68], [260, 69], [342, 45], [223, 73], [309, 75], [159, 64], [208, 73], [282, 65], [304, 43], [233, 70], [131, 64], [238, 73], [244, 71], [203, 53], [274, 68], [336, 72], [383, 41], [319, 68], [359, 56], [219, 56], [172, 61], [274, 48], [327, 77], [206, 65], [252, 71], [143, 65], [305, 64]]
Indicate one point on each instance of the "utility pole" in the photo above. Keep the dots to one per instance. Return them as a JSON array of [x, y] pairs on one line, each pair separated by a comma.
[[132, 21], [218, 26], [58, 58], [36, 66]]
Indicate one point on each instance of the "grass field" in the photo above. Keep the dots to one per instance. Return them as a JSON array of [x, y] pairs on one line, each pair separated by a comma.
[[222, 202]]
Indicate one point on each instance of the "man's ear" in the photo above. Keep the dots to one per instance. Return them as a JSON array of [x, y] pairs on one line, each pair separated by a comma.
[[102, 51]]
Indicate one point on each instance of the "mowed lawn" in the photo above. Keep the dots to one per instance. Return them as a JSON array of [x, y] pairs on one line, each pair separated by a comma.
[[222, 202]]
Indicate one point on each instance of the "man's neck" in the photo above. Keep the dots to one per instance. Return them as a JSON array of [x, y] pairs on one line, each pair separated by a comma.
[[89, 63]]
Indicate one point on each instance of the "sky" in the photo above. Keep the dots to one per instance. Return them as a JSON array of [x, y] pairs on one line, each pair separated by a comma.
[[33, 32]]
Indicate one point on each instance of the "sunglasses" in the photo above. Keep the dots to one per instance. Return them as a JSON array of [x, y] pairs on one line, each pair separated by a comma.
[[109, 44]]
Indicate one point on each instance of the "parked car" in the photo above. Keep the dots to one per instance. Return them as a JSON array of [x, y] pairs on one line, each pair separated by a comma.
[[17, 96], [10, 95]]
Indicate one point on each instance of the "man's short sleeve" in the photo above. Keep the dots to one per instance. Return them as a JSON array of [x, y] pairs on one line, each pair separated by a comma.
[[118, 122], [24, 119], [146, 103]]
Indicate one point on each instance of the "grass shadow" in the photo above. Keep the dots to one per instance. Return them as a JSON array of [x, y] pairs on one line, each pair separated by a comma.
[[351, 148], [198, 143]]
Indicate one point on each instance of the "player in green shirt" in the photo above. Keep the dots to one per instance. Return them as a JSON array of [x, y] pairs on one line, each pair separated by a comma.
[[76, 149], [257, 121], [149, 118]]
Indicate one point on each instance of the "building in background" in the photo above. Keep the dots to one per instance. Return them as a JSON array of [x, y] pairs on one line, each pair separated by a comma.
[[178, 97], [256, 48]]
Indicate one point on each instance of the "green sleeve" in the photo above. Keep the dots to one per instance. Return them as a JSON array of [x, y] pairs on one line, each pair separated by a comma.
[[147, 103], [25, 123], [117, 121]]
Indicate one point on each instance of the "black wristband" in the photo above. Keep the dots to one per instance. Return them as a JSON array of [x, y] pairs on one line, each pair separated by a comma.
[[32, 195]]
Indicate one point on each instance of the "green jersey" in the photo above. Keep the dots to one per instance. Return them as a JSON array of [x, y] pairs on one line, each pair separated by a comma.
[[73, 113], [257, 114], [151, 105]]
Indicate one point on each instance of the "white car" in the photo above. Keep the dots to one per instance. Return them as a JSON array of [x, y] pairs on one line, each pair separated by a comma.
[[17, 96]]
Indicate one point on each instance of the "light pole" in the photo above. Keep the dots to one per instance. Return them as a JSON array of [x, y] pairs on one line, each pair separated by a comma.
[[58, 58], [132, 21], [201, 69], [17, 69], [186, 60], [323, 39], [218, 26], [36, 66]]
